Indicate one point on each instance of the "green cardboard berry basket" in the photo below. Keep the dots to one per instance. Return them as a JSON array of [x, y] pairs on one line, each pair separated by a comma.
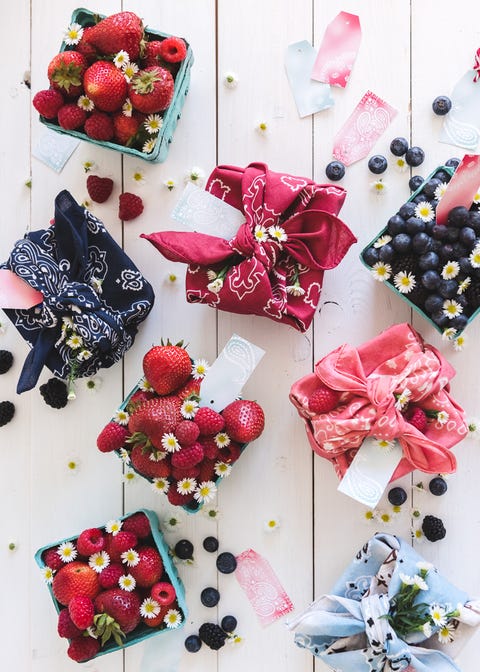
[[85, 17], [390, 285], [142, 631]]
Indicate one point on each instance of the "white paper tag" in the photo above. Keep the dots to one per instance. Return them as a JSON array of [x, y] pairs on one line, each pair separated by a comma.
[[54, 149], [310, 96], [228, 374], [370, 471], [199, 211]]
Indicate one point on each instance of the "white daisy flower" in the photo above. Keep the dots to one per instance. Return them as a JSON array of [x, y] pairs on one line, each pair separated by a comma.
[[149, 608], [195, 175], [75, 341], [85, 103], [427, 629], [278, 233], [452, 308], [138, 176], [127, 108], [476, 198], [173, 618], [189, 408], [67, 551], [260, 234], [384, 517], [400, 164], [295, 290], [369, 515], [160, 485], [261, 127], [205, 492], [386, 446], [130, 557], [417, 534], [383, 240], [98, 561], [222, 469], [215, 286], [121, 58], [230, 80], [464, 285], [425, 566], [47, 574], [473, 425], [156, 456], [438, 614], [211, 274], [129, 70], [170, 443], [425, 211], [222, 439], [235, 640], [170, 184], [459, 342], [403, 399], [381, 271], [474, 257], [127, 583], [378, 186], [73, 465], [88, 165], [445, 633], [439, 191], [173, 522], [406, 579], [199, 368], [404, 282], [171, 277], [149, 146], [271, 524], [186, 486], [124, 455], [419, 582], [130, 476], [450, 270], [153, 123], [114, 526], [73, 34], [442, 417], [448, 334], [121, 417], [145, 386], [84, 354], [212, 513]]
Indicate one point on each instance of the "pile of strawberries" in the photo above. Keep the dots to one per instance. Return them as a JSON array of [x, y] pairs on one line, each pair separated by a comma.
[[112, 80], [170, 438], [110, 586]]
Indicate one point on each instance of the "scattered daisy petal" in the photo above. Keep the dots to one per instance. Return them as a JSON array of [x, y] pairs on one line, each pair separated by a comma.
[[173, 618], [121, 417], [160, 485], [130, 557], [67, 551], [121, 58], [73, 34], [85, 103], [149, 608], [205, 492], [381, 271], [424, 211], [153, 123], [404, 282], [98, 561], [199, 368], [186, 486], [113, 526], [222, 469], [127, 583], [230, 80], [271, 524]]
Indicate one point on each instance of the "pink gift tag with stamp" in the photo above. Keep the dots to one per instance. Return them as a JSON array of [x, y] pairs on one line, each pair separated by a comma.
[[462, 187], [365, 125], [262, 587], [16, 293], [338, 50]]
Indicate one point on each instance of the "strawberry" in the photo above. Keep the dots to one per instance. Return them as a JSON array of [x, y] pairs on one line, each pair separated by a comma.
[[151, 54], [151, 90], [66, 627], [188, 457], [163, 592], [90, 541], [81, 611], [71, 117], [177, 498], [47, 102], [75, 578], [149, 569], [137, 523], [138, 398], [173, 49], [83, 648], [167, 367], [417, 417], [112, 437], [126, 128], [118, 32], [99, 189], [151, 468], [99, 126], [153, 419], [109, 576], [191, 389], [52, 559], [209, 421], [84, 46], [323, 400], [130, 206], [105, 85], [116, 544], [65, 72], [244, 420], [187, 432], [122, 606]]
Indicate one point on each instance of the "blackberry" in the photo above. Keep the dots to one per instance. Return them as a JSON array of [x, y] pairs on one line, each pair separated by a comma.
[[7, 411], [210, 544], [6, 360], [404, 262], [184, 549], [54, 393], [438, 486], [212, 635], [418, 295], [228, 623], [433, 528]]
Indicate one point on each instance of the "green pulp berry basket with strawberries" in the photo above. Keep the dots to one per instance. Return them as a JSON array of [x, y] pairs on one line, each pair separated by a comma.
[[169, 436], [113, 585], [434, 268], [137, 141]]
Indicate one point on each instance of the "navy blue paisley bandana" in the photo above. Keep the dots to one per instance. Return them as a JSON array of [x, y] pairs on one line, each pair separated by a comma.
[[94, 296]]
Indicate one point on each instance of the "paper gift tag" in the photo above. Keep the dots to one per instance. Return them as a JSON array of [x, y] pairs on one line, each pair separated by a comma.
[[461, 125], [310, 96], [338, 50], [462, 187], [226, 377], [16, 293], [370, 471], [199, 211], [54, 149]]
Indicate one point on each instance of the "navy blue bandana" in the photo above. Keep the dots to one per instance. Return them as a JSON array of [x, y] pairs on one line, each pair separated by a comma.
[[94, 296]]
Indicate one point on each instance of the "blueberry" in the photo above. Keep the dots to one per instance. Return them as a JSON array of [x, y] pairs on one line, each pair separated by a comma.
[[401, 242], [414, 156], [430, 187], [442, 105], [371, 256], [386, 253], [448, 288], [459, 322], [399, 146], [440, 319], [415, 182], [209, 597], [228, 623], [431, 279], [438, 486], [453, 162], [407, 210], [436, 245], [474, 220], [467, 236], [439, 232], [397, 496], [414, 225], [459, 250], [446, 252], [434, 303], [421, 243], [396, 224], [184, 549], [452, 234], [335, 170], [442, 176], [193, 643], [429, 260], [377, 164], [465, 265], [226, 563], [210, 544]]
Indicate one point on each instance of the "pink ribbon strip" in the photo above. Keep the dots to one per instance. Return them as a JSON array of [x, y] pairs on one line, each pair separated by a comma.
[[462, 187], [338, 50], [16, 293]]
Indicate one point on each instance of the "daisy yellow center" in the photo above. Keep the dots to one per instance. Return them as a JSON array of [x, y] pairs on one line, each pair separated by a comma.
[[189, 407], [400, 163], [149, 608], [129, 475], [424, 211], [48, 573], [397, 508], [201, 369], [127, 581], [114, 528], [172, 618], [204, 491], [385, 517], [259, 234], [451, 308], [230, 79], [67, 552], [130, 556], [369, 515], [405, 281], [72, 465], [271, 523], [171, 442], [476, 257], [418, 534], [99, 561], [73, 34], [379, 186], [172, 522], [212, 513], [160, 485], [186, 485], [138, 177], [383, 443], [263, 126], [460, 341], [381, 270]]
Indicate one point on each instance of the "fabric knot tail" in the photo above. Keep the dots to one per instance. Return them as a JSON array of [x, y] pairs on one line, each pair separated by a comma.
[[35, 360]]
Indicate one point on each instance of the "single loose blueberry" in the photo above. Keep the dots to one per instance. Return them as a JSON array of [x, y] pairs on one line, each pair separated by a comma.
[[210, 544], [226, 563], [452, 162], [228, 623], [184, 549], [415, 182], [377, 164], [414, 156], [397, 496], [209, 597], [193, 643], [438, 486], [442, 105], [335, 170], [399, 146]]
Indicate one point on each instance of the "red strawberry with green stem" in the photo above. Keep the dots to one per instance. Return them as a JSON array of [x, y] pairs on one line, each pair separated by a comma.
[[118, 32], [151, 90], [149, 568], [153, 419], [105, 85], [65, 72], [121, 606], [167, 367]]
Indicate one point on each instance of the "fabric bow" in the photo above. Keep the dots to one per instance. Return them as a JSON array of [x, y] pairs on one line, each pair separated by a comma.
[[349, 629], [376, 381], [88, 283], [274, 265]]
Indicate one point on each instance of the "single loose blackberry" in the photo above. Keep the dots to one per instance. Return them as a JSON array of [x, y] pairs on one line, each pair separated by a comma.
[[54, 393], [212, 635], [433, 528], [6, 360], [7, 411]]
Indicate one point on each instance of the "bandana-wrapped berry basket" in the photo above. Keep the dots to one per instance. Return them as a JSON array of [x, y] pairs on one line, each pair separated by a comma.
[[360, 625], [378, 385], [275, 263]]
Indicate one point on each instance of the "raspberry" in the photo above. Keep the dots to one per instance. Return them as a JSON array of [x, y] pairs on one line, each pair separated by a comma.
[[130, 206], [176, 498], [207, 471], [54, 393], [210, 448], [66, 627], [433, 528], [99, 126], [191, 472], [70, 116], [416, 416], [188, 456], [187, 432], [52, 559], [108, 577], [81, 611], [323, 400], [6, 361], [47, 102], [230, 453], [163, 592], [119, 543], [90, 541], [112, 437], [83, 648], [7, 411], [173, 49], [99, 188], [209, 421], [212, 635], [137, 523]]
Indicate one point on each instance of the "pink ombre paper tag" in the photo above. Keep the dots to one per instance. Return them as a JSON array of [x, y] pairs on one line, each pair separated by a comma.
[[338, 50], [462, 187], [16, 293], [365, 125], [262, 587]]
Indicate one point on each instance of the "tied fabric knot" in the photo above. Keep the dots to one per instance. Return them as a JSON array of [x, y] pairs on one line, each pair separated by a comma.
[[73, 298], [388, 421]]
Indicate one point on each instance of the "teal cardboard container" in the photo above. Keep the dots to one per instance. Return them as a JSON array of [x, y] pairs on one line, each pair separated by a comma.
[[170, 573], [172, 114], [389, 283]]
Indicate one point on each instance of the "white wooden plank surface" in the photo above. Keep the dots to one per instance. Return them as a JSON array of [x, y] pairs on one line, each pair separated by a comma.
[[410, 53]]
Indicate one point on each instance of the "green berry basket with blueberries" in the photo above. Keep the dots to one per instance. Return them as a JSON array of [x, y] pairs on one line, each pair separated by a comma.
[[113, 585], [140, 131], [434, 268]]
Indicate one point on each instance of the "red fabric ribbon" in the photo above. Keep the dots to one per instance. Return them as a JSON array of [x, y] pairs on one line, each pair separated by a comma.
[[476, 66], [259, 273]]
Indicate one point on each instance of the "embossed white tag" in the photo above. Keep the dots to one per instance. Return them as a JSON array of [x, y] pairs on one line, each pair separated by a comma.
[[228, 374], [199, 211], [370, 471]]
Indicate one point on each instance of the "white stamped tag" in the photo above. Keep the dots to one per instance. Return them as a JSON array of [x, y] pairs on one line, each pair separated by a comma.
[[228, 374], [370, 471], [199, 211]]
